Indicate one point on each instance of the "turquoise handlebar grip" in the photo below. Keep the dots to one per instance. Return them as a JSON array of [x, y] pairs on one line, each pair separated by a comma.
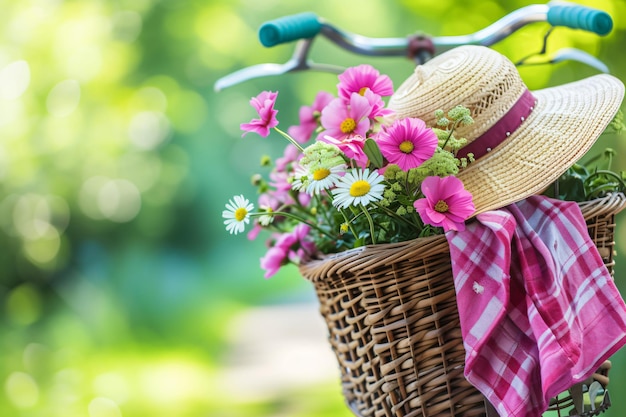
[[289, 28], [580, 17]]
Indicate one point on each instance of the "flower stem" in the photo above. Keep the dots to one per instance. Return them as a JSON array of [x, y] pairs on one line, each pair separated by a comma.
[[395, 215], [371, 223], [299, 219], [451, 131], [290, 139], [324, 212], [349, 223]]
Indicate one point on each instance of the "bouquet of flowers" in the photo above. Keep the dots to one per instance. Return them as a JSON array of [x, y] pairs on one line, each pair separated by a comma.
[[352, 174]]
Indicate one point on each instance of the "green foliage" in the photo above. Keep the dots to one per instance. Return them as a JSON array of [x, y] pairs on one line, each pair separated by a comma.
[[593, 177], [373, 153], [586, 182]]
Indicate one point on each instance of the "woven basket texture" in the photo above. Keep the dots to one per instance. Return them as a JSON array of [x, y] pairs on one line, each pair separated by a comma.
[[394, 326]]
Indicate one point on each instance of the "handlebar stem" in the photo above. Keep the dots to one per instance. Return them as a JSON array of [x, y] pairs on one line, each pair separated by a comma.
[[363, 45]]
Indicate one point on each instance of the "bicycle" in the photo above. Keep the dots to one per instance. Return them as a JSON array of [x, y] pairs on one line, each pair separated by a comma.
[[304, 28]]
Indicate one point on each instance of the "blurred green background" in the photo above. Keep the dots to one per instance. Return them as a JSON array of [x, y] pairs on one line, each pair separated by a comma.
[[121, 292]]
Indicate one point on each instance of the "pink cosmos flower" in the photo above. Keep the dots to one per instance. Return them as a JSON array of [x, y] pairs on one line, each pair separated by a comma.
[[378, 105], [291, 154], [274, 259], [280, 183], [407, 143], [289, 247], [254, 232], [446, 204], [352, 147], [296, 243], [264, 106], [282, 191], [343, 120], [309, 117], [361, 78]]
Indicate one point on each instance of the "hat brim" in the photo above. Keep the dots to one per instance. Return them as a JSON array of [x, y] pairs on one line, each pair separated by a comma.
[[566, 122]]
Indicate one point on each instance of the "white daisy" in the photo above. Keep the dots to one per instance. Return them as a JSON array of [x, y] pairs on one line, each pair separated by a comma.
[[301, 179], [358, 187], [314, 180], [237, 214], [266, 219]]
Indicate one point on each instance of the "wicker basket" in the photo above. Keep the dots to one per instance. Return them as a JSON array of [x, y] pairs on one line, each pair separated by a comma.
[[394, 326]]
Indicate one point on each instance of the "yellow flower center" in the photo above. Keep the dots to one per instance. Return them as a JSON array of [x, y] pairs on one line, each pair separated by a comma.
[[240, 214], [320, 174], [359, 188], [407, 146], [348, 125], [362, 91], [441, 206]]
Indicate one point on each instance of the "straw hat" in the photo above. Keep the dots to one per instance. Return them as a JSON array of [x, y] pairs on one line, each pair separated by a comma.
[[522, 141]]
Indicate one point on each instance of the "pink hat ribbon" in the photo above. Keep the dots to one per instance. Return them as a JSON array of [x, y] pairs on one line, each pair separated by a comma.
[[502, 129]]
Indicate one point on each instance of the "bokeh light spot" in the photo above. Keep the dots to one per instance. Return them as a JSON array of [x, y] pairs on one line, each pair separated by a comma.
[[23, 305], [148, 129], [126, 25], [45, 249], [31, 216], [142, 168], [215, 21], [174, 380], [14, 80], [87, 198], [84, 63], [22, 390], [63, 98], [37, 357], [67, 386], [11, 112], [34, 215], [119, 200], [104, 407], [112, 385], [150, 98]]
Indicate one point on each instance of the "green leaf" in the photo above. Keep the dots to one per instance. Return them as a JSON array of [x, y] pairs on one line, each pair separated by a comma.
[[572, 188], [578, 171], [373, 153], [404, 200]]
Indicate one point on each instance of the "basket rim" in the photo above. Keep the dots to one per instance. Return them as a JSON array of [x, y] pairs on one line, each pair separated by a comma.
[[326, 265]]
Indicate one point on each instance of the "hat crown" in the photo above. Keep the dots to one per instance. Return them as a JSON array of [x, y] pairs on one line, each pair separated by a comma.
[[477, 77], [522, 141]]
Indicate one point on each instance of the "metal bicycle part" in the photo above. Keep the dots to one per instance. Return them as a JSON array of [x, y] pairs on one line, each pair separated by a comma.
[[561, 55], [304, 27], [298, 62], [571, 54]]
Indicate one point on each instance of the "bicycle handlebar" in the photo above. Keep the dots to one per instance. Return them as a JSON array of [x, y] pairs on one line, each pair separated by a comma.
[[580, 17], [308, 25], [305, 27], [289, 28]]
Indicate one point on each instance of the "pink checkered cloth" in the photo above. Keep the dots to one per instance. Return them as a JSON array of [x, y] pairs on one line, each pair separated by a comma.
[[539, 310]]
